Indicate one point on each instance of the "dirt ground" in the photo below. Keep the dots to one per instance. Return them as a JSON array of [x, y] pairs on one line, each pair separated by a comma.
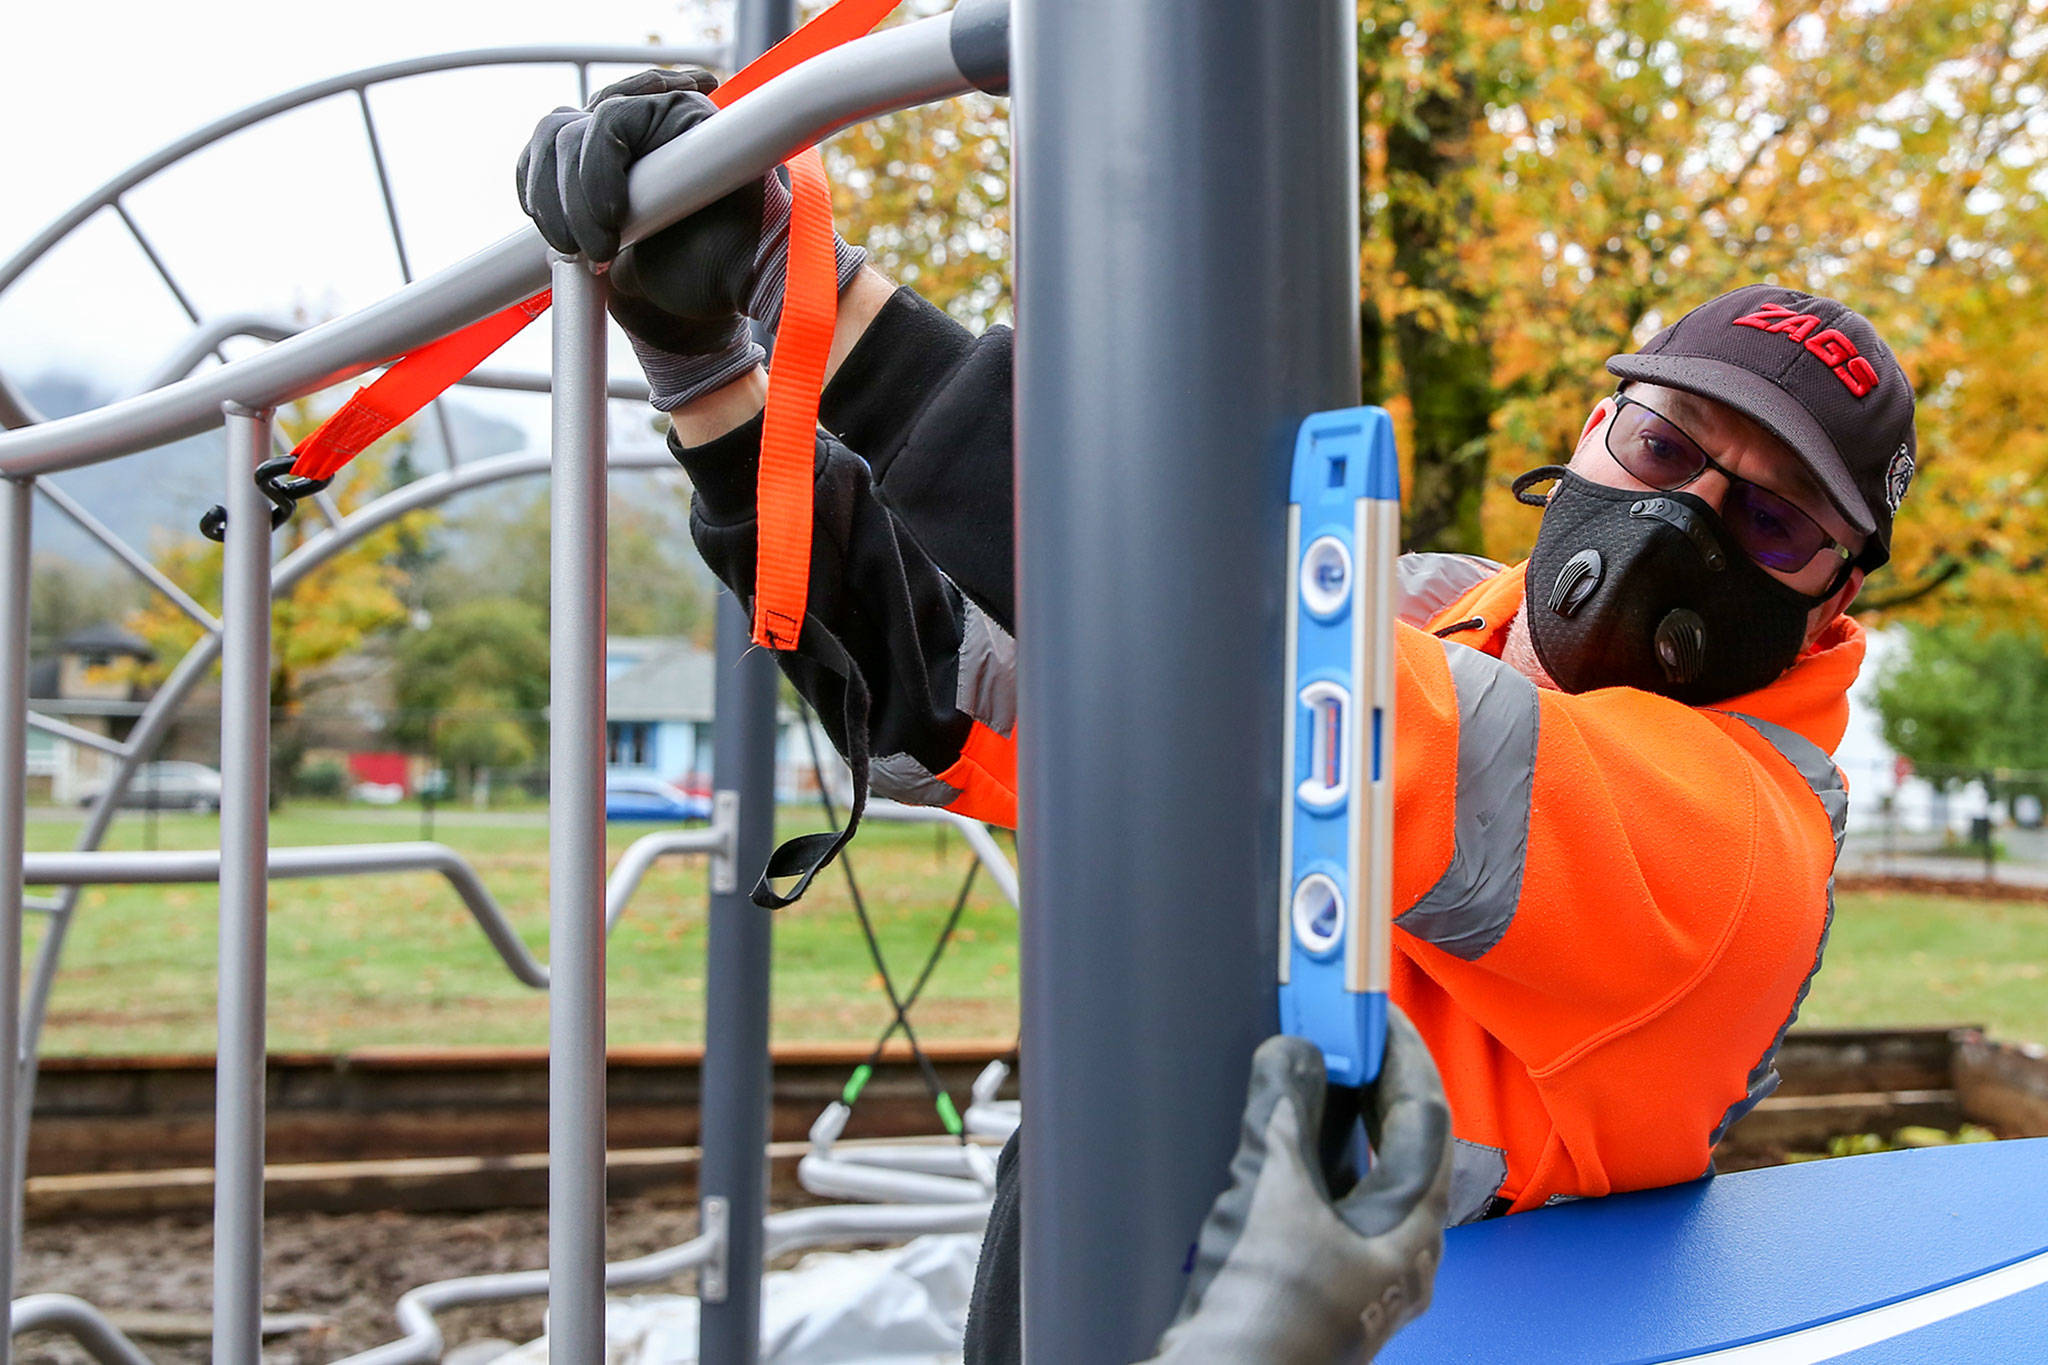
[[346, 1270], [1963, 887]]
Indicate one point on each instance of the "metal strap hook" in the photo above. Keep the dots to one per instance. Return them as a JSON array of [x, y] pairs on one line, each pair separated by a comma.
[[276, 482]]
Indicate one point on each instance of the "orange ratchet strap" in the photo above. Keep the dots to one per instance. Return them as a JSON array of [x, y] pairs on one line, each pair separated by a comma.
[[789, 424], [407, 387], [810, 313]]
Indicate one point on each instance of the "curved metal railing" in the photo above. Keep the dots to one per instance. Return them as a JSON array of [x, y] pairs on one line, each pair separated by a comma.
[[886, 71], [207, 335]]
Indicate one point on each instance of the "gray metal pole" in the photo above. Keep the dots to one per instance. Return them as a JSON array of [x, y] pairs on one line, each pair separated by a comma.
[[734, 1121], [732, 1182], [760, 25], [1187, 291], [576, 700], [244, 898], [16, 502]]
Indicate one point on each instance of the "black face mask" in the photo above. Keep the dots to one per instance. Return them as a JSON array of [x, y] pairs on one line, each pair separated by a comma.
[[1637, 588]]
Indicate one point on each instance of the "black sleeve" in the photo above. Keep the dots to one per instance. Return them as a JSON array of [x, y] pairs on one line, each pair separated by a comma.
[[872, 590], [995, 1310], [910, 551], [927, 404]]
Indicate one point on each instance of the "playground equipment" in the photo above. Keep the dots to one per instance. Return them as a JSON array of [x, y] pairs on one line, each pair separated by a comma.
[[1903, 1258], [240, 396], [1150, 981]]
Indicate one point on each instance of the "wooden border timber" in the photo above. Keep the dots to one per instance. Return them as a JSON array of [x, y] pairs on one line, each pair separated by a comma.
[[462, 1128], [2004, 1085], [110, 1114], [414, 1184]]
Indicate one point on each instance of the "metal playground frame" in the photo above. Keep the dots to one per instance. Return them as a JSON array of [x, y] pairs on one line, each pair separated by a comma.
[[1152, 456]]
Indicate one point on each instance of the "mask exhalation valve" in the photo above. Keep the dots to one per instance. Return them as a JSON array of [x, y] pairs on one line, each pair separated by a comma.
[[1682, 645], [1575, 582]]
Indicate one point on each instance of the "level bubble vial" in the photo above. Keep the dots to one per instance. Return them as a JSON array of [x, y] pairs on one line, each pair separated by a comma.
[[1318, 914], [1326, 576], [1329, 755]]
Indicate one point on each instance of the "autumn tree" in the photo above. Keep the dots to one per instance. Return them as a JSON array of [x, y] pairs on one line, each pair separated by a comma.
[[1967, 703], [1426, 352], [1548, 182], [927, 192], [473, 690], [1881, 151], [327, 615]]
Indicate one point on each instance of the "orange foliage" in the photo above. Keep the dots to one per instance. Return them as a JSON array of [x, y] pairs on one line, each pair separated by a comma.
[[1632, 160]]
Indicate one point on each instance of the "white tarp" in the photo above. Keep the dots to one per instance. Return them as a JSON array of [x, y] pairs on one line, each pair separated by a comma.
[[903, 1306]]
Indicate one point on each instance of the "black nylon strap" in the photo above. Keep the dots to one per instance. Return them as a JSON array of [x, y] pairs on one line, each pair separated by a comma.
[[805, 856]]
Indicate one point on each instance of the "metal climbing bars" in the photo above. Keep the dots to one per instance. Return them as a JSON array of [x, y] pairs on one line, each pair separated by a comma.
[[1152, 461], [898, 68]]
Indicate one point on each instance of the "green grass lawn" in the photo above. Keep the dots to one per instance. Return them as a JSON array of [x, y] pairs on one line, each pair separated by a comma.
[[397, 960], [1909, 959]]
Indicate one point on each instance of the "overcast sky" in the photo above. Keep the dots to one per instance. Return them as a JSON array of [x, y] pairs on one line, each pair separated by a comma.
[[283, 218]]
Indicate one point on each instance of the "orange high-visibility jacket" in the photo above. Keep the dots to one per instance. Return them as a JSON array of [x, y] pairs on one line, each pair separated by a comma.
[[1610, 904]]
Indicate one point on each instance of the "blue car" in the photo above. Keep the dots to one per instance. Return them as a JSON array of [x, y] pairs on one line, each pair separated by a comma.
[[650, 798]]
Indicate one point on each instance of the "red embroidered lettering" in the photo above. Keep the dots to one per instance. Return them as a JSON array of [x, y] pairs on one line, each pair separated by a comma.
[[1832, 347], [1858, 375], [1765, 318], [1799, 328]]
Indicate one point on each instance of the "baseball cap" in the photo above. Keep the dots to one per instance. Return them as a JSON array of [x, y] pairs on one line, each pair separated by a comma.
[[1814, 373]]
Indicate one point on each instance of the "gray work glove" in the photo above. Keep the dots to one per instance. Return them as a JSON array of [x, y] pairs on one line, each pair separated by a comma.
[[684, 296], [1286, 1275]]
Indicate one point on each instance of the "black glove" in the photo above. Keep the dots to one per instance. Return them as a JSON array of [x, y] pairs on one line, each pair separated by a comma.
[[1287, 1275], [684, 295]]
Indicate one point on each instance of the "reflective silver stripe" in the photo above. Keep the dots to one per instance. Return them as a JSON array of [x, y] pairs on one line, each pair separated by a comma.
[[987, 686], [1426, 583], [1472, 904], [1811, 762], [1477, 1173], [899, 777]]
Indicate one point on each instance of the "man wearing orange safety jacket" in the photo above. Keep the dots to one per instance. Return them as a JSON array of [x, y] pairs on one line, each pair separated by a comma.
[[1616, 820]]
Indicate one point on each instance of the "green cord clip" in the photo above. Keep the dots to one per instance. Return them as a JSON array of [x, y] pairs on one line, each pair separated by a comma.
[[855, 1084], [948, 1115]]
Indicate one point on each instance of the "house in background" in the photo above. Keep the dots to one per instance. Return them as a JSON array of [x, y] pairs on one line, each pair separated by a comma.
[[81, 686], [660, 695], [658, 706]]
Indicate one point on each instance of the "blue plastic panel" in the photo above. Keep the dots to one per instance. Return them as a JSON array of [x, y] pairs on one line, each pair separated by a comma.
[[1665, 1274], [1342, 460]]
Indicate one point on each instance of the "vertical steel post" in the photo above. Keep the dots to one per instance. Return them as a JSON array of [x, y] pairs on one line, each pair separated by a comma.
[[244, 897], [734, 1116], [576, 701], [732, 1180], [1187, 284], [760, 25], [16, 501]]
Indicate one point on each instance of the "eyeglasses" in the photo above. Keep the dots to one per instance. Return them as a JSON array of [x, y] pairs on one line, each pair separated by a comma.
[[1770, 529]]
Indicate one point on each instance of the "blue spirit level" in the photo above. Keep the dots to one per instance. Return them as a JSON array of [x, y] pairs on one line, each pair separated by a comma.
[[1337, 823]]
